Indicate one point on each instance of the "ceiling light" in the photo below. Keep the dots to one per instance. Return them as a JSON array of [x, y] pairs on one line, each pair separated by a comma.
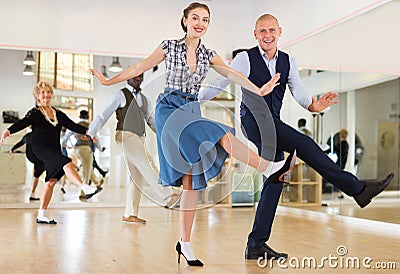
[[29, 60], [28, 71], [115, 66]]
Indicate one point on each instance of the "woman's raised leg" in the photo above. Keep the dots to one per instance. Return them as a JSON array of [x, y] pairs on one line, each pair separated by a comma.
[[243, 153]]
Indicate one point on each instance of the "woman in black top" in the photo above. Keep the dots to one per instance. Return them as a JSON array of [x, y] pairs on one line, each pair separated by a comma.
[[46, 123]]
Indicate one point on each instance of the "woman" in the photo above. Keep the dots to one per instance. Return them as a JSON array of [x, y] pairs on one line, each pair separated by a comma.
[[46, 123], [203, 144]]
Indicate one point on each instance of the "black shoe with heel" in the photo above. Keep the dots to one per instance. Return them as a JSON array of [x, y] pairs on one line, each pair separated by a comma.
[[192, 262], [288, 166]]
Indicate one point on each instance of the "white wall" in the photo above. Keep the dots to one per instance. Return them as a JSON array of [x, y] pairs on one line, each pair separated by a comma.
[[301, 19], [121, 27], [367, 43], [135, 28]]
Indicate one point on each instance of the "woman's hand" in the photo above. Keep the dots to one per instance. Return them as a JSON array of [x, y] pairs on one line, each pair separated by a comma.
[[269, 87], [102, 79], [5, 135]]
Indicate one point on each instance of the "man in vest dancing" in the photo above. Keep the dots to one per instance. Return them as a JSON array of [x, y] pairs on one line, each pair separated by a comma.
[[261, 124], [132, 109]]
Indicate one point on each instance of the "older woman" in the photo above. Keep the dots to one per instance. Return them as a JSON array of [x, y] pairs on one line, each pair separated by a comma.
[[46, 123]]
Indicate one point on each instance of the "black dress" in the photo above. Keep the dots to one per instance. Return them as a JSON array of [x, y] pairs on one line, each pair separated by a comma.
[[38, 165], [45, 139]]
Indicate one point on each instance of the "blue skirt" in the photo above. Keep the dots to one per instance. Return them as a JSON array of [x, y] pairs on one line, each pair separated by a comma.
[[187, 143]]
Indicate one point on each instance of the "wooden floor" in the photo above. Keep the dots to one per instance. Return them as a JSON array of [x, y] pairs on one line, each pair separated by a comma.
[[92, 239]]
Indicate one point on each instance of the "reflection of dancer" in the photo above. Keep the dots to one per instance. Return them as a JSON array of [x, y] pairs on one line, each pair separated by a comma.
[[46, 123], [192, 149], [64, 152], [132, 109], [342, 149], [38, 165], [301, 124], [260, 64], [95, 164], [83, 151]]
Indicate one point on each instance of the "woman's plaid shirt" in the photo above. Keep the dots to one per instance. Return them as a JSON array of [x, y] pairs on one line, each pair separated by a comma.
[[177, 71]]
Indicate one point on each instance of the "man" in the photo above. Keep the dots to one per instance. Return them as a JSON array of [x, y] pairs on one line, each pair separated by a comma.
[[261, 116], [132, 109], [83, 151], [97, 145], [341, 150], [301, 124]]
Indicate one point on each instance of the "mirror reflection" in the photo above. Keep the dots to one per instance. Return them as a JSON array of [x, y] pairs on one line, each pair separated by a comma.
[[360, 134]]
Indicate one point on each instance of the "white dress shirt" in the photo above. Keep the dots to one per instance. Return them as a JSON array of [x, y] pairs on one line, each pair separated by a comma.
[[118, 101]]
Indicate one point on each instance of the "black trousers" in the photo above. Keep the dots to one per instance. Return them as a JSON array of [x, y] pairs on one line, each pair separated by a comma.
[[270, 147]]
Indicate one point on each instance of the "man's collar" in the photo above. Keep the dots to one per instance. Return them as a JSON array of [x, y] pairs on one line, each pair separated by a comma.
[[265, 55], [132, 89]]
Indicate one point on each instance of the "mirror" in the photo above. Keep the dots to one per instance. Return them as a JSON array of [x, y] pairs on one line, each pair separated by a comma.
[[370, 101], [368, 110]]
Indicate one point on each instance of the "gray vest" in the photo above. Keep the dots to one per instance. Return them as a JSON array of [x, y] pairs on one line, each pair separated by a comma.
[[131, 117]]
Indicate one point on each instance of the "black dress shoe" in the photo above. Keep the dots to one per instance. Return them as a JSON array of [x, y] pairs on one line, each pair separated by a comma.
[[103, 173], [90, 195], [253, 253], [49, 222], [372, 188]]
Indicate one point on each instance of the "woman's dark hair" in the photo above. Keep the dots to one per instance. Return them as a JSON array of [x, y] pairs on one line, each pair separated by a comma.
[[189, 8]]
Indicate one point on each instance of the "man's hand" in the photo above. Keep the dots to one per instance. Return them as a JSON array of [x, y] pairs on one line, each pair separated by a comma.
[[322, 103], [82, 137]]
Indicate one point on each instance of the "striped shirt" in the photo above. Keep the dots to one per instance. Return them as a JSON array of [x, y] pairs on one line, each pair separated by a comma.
[[177, 75]]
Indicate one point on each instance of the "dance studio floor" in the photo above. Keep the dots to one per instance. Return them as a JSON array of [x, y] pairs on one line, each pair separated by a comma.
[[90, 238]]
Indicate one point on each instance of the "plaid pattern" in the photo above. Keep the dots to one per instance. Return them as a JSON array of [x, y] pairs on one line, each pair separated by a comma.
[[177, 72]]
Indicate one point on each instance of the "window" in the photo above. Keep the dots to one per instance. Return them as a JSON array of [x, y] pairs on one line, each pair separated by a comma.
[[66, 71]]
